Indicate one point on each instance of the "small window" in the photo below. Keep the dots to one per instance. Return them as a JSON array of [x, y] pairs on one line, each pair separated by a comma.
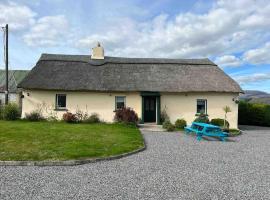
[[202, 106], [120, 102], [61, 101]]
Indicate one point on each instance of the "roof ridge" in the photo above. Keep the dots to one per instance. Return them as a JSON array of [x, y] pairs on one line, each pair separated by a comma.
[[124, 60]]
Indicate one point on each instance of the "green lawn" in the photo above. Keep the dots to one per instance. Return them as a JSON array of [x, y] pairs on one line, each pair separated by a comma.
[[21, 140]]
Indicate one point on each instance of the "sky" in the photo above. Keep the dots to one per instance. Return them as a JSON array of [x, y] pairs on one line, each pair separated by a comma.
[[233, 34]]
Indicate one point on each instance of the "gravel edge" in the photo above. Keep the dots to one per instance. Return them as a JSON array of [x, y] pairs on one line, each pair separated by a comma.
[[72, 162]]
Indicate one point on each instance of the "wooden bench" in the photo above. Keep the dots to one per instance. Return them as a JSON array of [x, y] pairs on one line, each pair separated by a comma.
[[203, 129]]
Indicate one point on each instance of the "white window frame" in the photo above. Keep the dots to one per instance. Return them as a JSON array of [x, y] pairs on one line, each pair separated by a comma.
[[206, 107], [124, 97], [56, 102]]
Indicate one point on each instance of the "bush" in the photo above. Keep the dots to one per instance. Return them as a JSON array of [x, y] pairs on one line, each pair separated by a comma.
[[166, 124], [93, 118], [202, 118], [170, 128], [220, 122], [34, 116], [126, 115], [70, 118], [164, 116], [254, 114], [11, 112], [1, 112], [180, 123]]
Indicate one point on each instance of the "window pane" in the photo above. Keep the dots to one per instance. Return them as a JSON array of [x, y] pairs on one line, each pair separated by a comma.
[[201, 106], [61, 101], [120, 102]]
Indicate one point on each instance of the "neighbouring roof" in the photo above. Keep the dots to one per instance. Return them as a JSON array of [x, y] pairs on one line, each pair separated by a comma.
[[14, 78], [79, 72]]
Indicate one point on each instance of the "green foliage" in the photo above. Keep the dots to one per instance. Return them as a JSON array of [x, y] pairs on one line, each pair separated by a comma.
[[180, 123], [166, 123], [93, 118], [227, 109], [34, 116], [234, 132], [11, 112], [202, 118], [170, 128], [254, 114], [1, 112], [219, 122]]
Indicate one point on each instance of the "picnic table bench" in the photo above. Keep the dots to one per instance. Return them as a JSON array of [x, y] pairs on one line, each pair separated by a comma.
[[203, 129]]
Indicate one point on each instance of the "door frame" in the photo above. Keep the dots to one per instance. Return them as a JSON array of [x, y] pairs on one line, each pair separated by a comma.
[[157, 96]]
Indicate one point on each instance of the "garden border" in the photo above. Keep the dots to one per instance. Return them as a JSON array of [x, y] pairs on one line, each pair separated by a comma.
[[72, 162]]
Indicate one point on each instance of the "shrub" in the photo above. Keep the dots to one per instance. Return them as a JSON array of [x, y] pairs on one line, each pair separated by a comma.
[[93, 118], [34, 116], [202, 118], [220, 122], [170, 128], [254, 114], [126, 115], [81, 115], [11, 112], [1, 111], [166, 124], [69, 117], [180, 123], [164, 116]]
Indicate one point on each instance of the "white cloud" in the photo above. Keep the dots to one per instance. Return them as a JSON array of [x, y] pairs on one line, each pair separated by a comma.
[[17, 16], [47, 31], [225, 29], [252, 78], [228, 61], [258, 56]]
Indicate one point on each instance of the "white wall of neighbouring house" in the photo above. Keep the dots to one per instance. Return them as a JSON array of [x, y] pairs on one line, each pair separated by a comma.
[[12, 98], [102, 103], [184, 105]]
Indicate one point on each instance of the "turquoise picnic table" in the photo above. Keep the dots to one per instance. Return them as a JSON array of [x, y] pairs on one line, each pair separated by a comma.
[[203, 129]]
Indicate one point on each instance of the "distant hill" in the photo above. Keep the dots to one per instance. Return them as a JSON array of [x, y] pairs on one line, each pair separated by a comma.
[[255, 96]]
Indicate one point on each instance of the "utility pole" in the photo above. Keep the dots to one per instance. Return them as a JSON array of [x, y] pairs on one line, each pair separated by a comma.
[[6, 61]]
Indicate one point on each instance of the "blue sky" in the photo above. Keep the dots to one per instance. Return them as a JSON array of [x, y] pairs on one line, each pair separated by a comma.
[[233, 34]]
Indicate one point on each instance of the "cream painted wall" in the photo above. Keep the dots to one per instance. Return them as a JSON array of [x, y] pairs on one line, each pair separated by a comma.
[[185, 106], [91, 102], [178, 105]]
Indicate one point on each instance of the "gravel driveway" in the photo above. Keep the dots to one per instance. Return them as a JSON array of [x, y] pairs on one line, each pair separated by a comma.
[[174, 166]]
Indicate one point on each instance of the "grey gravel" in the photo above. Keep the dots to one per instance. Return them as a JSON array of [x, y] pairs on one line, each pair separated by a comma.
[[174, 166]]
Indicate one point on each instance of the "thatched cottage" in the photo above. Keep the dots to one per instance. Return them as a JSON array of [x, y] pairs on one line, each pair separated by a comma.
[[101, 84]]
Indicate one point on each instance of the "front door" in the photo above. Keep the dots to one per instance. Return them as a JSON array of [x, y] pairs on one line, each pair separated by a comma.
[[149, 109]]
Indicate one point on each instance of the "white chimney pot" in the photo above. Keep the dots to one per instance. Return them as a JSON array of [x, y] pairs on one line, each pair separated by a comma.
[[97, 52]]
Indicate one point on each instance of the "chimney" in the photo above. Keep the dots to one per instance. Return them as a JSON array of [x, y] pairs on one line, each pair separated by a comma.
[[97, 52]]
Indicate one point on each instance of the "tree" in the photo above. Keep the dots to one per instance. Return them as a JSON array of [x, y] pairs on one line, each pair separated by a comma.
[[226, 109]]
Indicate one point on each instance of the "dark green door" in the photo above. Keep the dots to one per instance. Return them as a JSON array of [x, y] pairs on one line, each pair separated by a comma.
[[150, 109]]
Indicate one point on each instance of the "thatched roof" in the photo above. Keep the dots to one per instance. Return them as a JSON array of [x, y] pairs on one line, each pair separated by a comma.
[[14, 78], [79, 72]]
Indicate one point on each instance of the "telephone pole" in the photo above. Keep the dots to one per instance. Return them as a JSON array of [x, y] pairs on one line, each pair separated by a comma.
[[6, 62]]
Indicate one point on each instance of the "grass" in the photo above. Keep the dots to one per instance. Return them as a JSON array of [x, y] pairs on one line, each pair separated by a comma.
[[21, 140]]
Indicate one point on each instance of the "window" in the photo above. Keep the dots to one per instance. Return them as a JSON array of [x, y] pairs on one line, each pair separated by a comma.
[[120, 102], [61, 101], [202, 106]]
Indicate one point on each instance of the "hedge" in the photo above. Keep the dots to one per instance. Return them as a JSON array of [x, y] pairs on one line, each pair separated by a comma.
[[254, 114]]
